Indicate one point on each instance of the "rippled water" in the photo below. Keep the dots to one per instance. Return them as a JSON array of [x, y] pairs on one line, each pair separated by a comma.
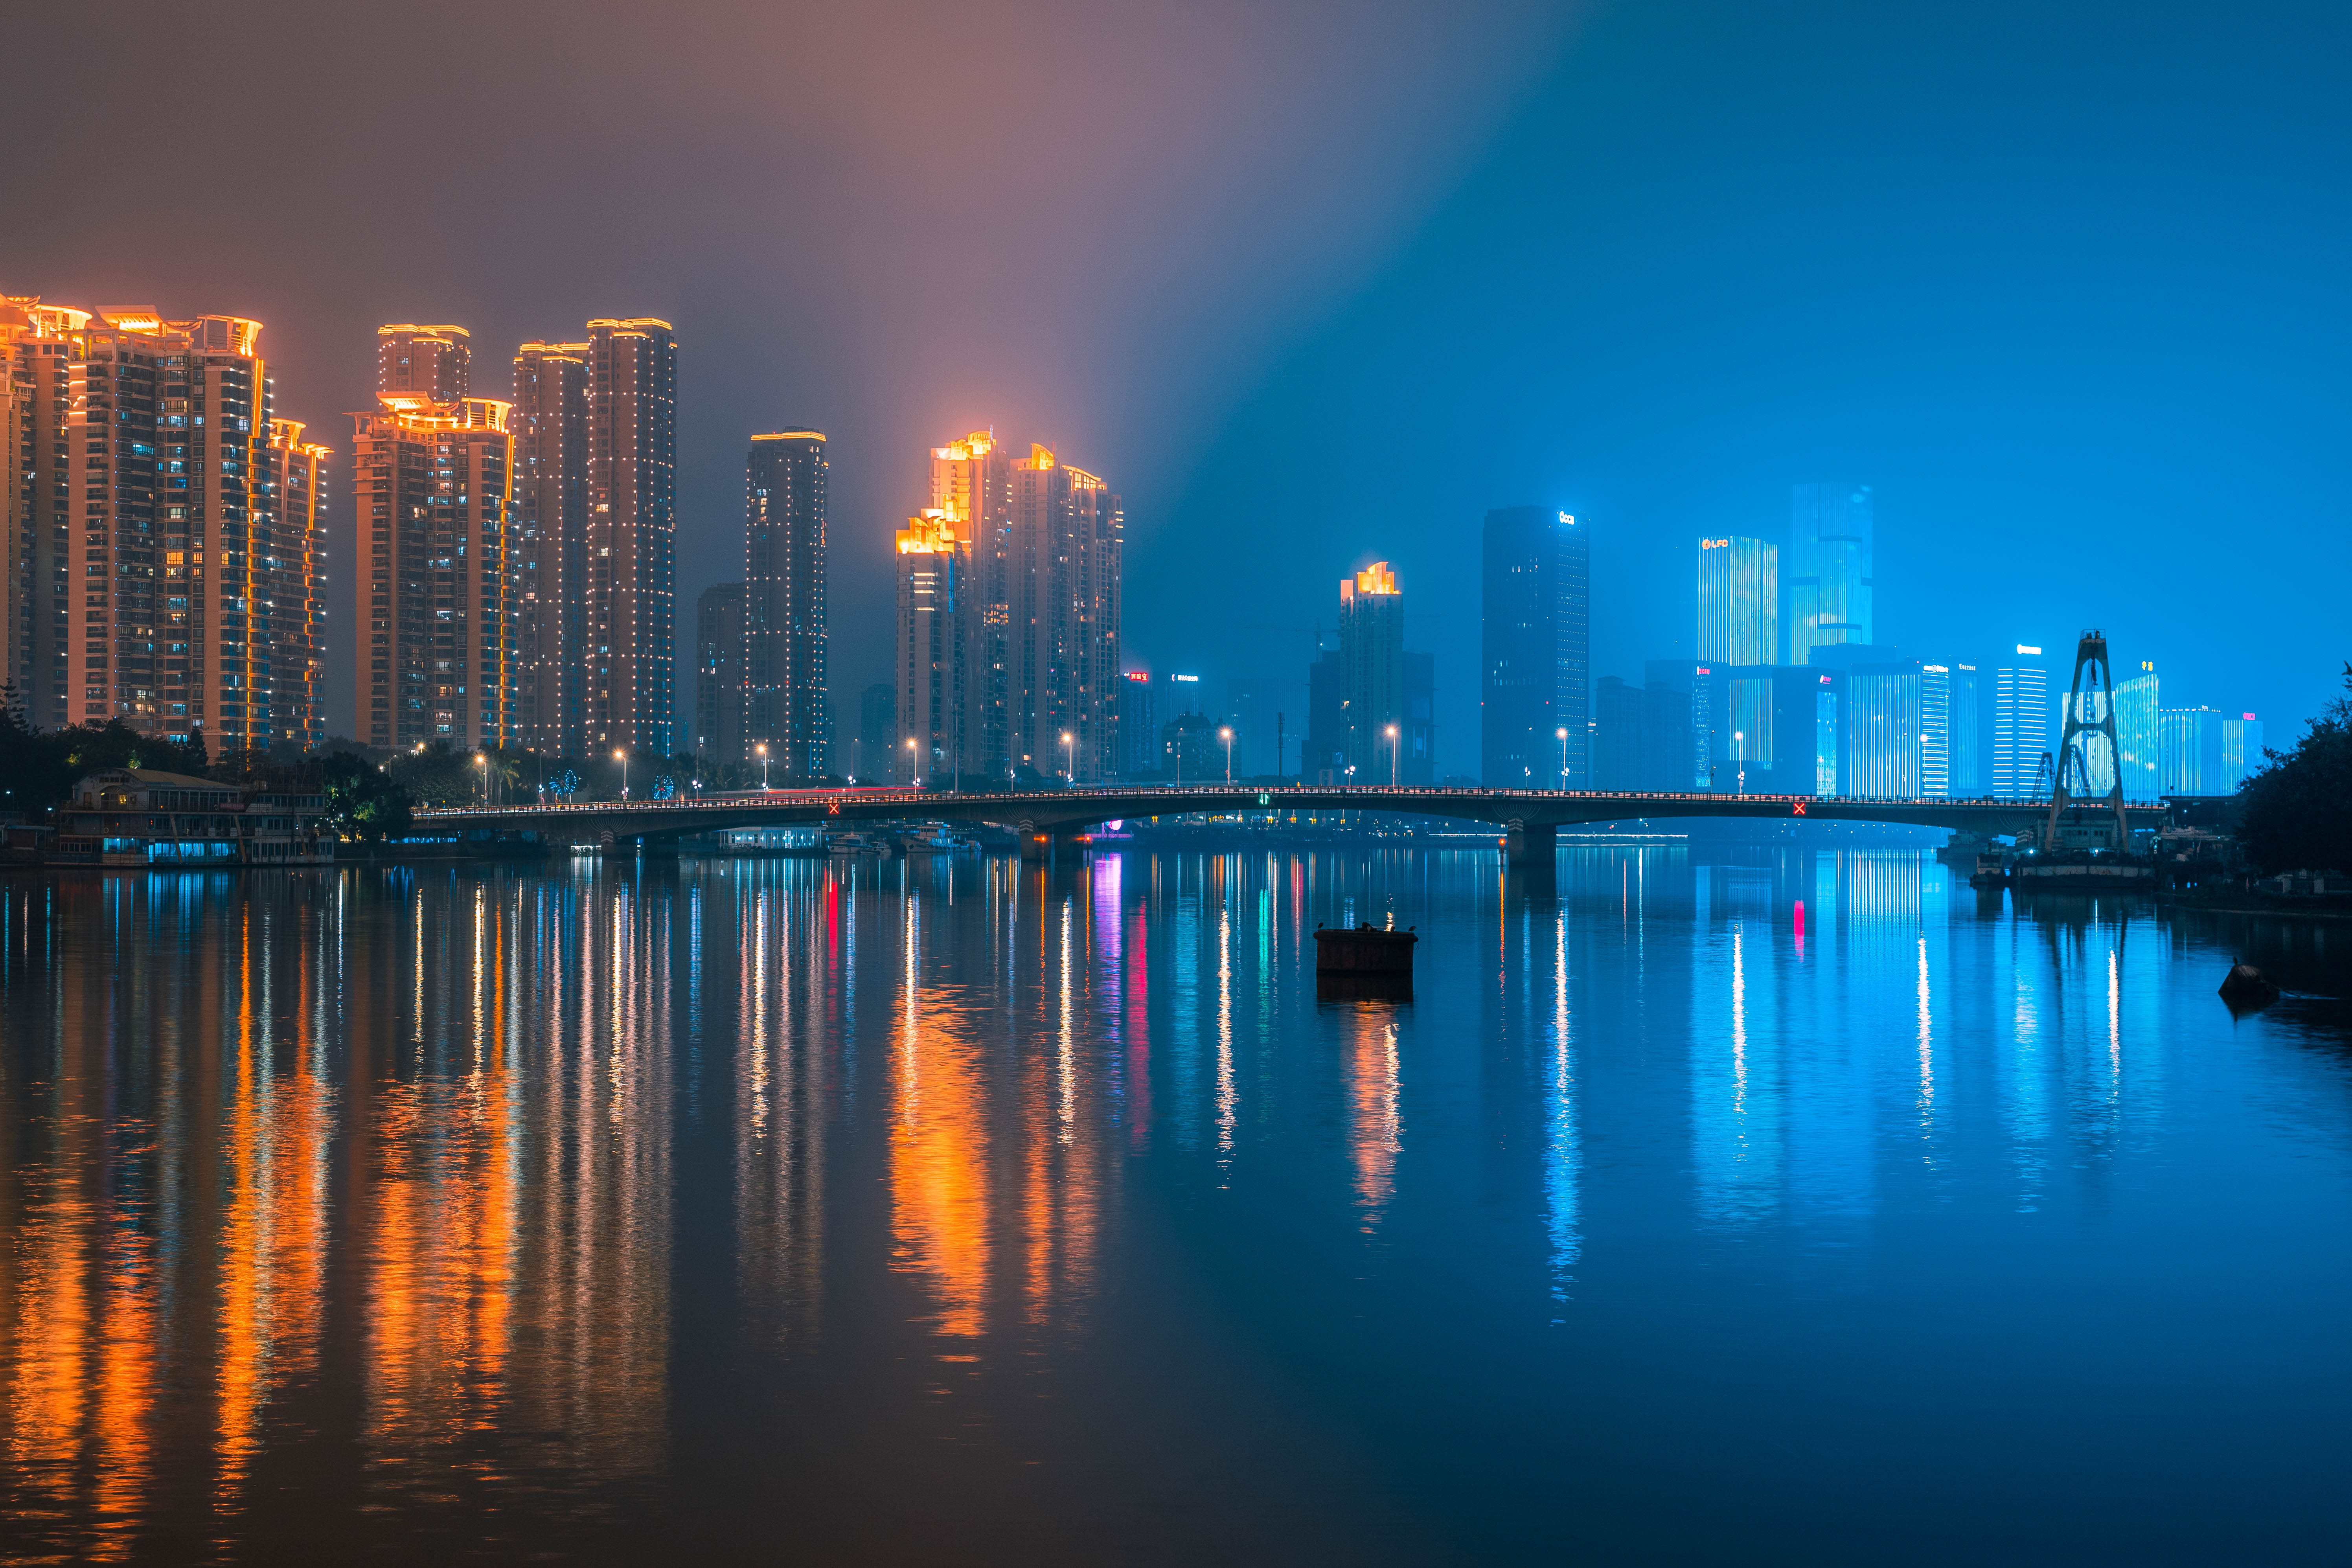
[[1798, 1206]]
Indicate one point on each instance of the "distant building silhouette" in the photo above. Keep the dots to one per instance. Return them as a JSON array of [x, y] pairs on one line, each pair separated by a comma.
[[1535, 649], [877, 728], [718, 674]]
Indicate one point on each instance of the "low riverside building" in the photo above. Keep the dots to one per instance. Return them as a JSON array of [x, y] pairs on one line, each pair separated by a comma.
[[138, 816]]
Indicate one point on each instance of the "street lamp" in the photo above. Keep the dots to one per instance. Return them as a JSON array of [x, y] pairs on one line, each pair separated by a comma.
[[1562, 733], [1740, 758], [917, 778], [1392, 756], [483, 763], [1226, 734], [762, 750], [621, 756], [1069, 769]]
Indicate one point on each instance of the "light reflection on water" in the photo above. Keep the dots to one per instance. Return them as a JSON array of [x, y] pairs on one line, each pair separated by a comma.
[[965, 1210]]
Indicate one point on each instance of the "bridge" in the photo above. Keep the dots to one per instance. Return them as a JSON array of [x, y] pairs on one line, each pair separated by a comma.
[[1051, 820]]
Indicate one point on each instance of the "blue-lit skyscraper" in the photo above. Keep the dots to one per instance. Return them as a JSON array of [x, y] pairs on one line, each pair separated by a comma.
[[1739, 601], [2241, 751], [2138, 744], [1830, 574], [2189, 751], [1535, 673], [2021, 727]]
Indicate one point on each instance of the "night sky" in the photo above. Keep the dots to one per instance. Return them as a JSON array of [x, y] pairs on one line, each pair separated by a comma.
[[1316, 285]]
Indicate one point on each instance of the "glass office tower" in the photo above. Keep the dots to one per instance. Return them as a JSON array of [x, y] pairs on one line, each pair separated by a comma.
[[1535, 647]]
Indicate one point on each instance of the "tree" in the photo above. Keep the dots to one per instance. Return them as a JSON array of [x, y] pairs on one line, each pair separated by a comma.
[[363, 802], [2298, 810]]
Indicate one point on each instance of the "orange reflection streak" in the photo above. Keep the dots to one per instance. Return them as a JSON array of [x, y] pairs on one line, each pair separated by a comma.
[[440, 1304], [125, 1406], [50, 1363], [1061, 1171], [939, 1156], [1375, 1132]]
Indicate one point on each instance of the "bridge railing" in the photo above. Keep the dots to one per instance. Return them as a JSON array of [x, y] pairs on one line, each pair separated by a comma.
[[1242, 794]]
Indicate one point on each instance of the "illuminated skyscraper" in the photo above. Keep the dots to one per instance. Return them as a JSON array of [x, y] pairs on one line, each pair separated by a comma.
[[549, 533], [174, 587], [1830, 527], [785, 637], [434, 592], [932, 673], [2138, 736], [434, 363], [632, 542], [1739, 601], [1535, 649], [2241, 752], [2021, 728], [972, 490], [719, 699], [2188, 747], [1065, 543], [1372, 652]]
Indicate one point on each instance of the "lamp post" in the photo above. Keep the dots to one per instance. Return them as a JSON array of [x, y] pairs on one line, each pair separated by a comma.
[[915, 770], [1225, 733], [1069, 767], [761, 752], [1562, 733], [1739, 759], [621, 755], [1393, 766], [483, 763]]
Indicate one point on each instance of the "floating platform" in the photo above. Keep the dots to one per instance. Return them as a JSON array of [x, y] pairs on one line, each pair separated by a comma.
[[1363, 950]]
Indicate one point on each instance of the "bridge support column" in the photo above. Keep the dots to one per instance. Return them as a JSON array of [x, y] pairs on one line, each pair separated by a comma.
[[1048, 846], [1531, 844]]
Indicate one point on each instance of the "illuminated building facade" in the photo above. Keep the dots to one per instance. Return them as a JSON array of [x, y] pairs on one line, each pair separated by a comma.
[[434, 589], [1688, 723], [1065, 546], [548, 532], [2241, 751], [718, 674], [784, 604], [2188, 747], [2021, 728], [1739, 601], [2137, 734], [435, 363], [1831, 528], [172, 588], [972, 488], [631, 544], [1371, 653], [1535, 647], [1778, 730], [933, 675]]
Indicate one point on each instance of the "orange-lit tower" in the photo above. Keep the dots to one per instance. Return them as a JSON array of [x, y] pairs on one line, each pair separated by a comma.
[[174, 586], [550, 532], [972, 491], [432, 591], [1066, 549], [932, 642]]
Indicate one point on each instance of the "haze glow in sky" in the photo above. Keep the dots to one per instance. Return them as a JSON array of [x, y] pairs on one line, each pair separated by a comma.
[[1317, 285]]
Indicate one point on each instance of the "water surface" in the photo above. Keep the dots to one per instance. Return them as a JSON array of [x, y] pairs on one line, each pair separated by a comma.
[[1775, 1206]]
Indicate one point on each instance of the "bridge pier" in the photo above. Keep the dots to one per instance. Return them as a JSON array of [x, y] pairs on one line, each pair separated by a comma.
[[1531, 844], [1048, 846], [662, 848]]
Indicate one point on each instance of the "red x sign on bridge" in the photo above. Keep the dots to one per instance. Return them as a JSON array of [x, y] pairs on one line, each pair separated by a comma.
[[1800, 810], [832, 808]]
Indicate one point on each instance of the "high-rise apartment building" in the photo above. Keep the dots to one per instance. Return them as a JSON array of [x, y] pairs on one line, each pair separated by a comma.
[[1739, 601], [1065, 545], [1831, 528], [784, 602], [632, 534], [434, 591], [1372, 652], [435, 364], [548, 534], [932, 691], [2021, 728], [1967, 744], [972, 490], [163, 560], [2188, 747], [719, 701], [1535, 647]]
